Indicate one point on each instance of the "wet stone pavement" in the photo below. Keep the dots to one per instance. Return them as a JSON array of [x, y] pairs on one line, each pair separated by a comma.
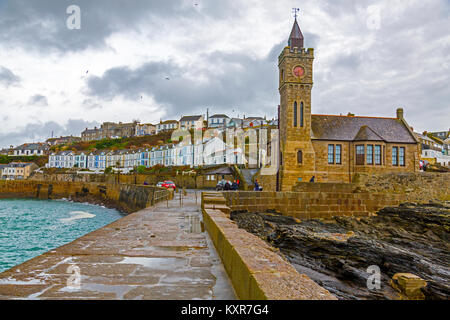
[[158, 253]]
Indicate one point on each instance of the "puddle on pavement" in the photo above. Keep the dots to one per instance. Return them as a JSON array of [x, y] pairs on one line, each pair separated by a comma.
[[171, 249], [156, 263], [193, 224]]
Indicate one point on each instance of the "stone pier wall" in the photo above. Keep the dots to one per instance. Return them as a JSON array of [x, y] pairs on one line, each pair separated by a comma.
[[187, 181], [127, 198], [367, 194], [256, 271], [312, 204], [415, 187]]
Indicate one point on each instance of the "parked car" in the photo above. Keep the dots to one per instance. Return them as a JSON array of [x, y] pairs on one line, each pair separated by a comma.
[[160, 184], [169, 184]]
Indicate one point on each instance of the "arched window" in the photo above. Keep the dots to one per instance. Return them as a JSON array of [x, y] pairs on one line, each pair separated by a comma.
[[295, 114], [299, 156], [301, 115]]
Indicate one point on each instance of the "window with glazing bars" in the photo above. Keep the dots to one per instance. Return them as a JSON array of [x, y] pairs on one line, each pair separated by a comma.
[[395, 156], [338, 154], [378, 155], [330, 153], [360, 155], [369, 159], [401, 156]]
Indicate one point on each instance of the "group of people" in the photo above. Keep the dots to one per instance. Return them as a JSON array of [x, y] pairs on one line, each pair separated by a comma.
[[227, 185]]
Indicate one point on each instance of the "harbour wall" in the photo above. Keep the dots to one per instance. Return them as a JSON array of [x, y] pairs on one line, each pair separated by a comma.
[[256, 271], [366, 195], [124, 197]]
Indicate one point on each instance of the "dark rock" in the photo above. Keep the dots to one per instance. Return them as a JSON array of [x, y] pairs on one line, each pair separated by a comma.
[[409, 238]]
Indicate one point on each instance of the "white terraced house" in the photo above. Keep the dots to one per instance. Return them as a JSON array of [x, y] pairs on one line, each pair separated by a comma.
[[166, 126], [218, 121], [96, 160], [211, 151], [62, 159], [31, 149], [184, 154]]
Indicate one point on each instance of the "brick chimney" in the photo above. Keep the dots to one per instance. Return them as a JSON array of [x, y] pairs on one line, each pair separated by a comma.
[[400, 113]]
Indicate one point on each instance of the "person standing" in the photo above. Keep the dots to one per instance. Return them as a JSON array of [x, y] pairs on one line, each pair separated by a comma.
[[256, 185]]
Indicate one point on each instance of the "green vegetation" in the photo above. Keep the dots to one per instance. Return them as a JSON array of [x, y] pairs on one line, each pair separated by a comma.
[[39, 160], [110, 144], [141, 169], [117, 144], [108, 170]]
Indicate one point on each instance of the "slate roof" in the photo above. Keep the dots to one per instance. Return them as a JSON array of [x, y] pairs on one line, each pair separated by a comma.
[[32, 146], [345, 128], [296, 37], [367, 134], [190, 118], [168, 121], [91, 130], [19, 164], [219, 116], [221, 170], [423, 137]]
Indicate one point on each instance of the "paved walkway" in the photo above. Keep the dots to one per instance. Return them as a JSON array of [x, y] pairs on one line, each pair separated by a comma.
[[157, 253]]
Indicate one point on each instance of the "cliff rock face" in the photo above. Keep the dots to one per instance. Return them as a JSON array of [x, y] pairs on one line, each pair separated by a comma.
[[336, 253]]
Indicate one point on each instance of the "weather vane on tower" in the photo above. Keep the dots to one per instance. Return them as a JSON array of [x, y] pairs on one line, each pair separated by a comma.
[[295, 11]]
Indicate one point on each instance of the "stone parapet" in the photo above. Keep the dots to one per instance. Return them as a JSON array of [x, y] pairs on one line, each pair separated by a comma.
[[256, 271], [312, 204]]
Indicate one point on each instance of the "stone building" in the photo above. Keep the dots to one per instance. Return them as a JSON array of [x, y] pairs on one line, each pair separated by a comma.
[[332, 148], [145, 129], [191, 122], [17, 170], [63, 140], [110, 130]]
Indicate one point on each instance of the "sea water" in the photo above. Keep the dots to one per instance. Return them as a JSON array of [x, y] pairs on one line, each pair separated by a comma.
[[29, 228]]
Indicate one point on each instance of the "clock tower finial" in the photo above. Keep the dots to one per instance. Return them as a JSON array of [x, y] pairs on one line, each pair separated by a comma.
[[295, 11], [296, 38]]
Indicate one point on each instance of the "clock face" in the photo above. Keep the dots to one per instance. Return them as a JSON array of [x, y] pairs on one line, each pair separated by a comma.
[[299, 72]]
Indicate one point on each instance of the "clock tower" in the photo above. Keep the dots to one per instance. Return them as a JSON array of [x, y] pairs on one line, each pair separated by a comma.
[[297, 157]]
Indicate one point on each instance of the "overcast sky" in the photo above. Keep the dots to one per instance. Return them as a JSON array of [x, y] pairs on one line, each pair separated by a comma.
[[156, 59]]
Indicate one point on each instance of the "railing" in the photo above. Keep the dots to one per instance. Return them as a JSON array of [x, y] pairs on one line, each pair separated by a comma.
[[160, 195]]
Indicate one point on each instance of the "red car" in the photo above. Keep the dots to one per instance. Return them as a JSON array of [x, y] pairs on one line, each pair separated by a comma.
[[169, 184]]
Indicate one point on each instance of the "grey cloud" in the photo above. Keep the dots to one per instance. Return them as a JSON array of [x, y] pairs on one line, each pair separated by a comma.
[[404, 66], [234, 81], [90, 104], [311, 39], [7, 77], [348, 61], [38, 100], [41, 25], [39, 132]]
